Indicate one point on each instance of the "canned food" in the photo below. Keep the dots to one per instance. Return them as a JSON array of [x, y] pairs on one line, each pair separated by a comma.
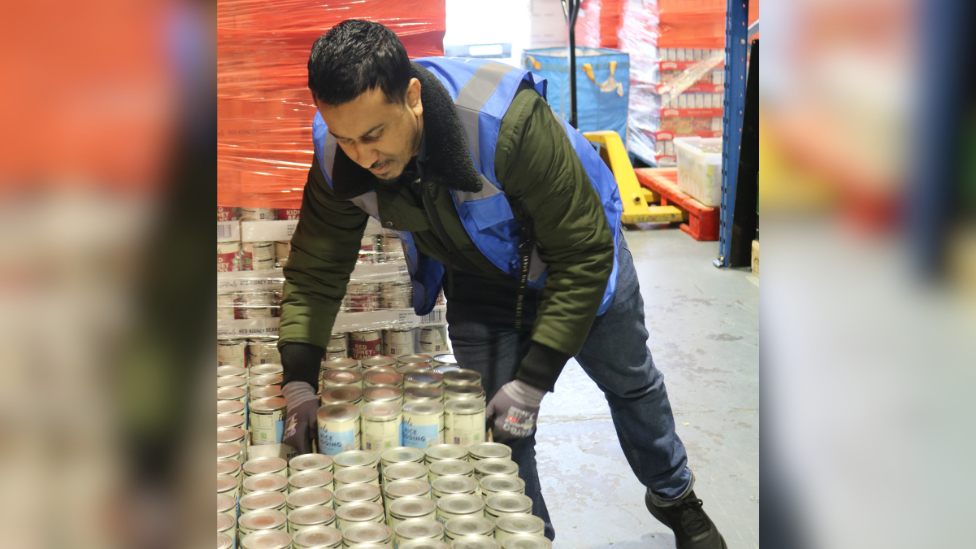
[[319, 537], [227, 505], [364, 512], [257, 214], [230, 451], [287, 213], [366, 344], [267, 421], [271, 391], [422, 424], [223, 541], [265, 369], [504, 467], [464, 422], [231, 352], [464, 392], [422, 380], [336, 378], [433, 340], [404, 360], [381, 426], [257, 255], [343, 394], [262, 465], [511, 526], [410, 368], [444, 368], [378, 360], [262, 500], [450, 468], [397, 295], [308, 497], [262, 519], [411, 508], [364, 298], [497, 505], [446, 359], [230, 420], [264, 350], [229, 370], [227, 306], [231, 381], [381, 376], [338, 341], [462, 377], [494, 484], [399, 341], [228, 467], [489, 450], [351, 476], [227, 485], [451, 486], [310, 462], [338, 353], [468, 526], [316, 478], [257, 304], [341, 364], [228, 257], [266, 539], [419, 529], [227, 526], [404, 489], [232, 435], [441, 452], [367, 533], [383, 393], [238, 394], [458, 506], [355, 458], [228, 213], [269, 380], [404, 471], [282, 251], [401, 454], [338, 428], [434, 394], [265, 482], [309, 517], [475, 542], [356, 493]]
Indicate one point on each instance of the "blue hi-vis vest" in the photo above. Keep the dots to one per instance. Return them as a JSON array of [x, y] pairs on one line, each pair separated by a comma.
[[482, 92]]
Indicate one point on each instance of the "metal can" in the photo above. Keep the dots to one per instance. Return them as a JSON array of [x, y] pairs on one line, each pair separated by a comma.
[[494, 484], [401, 454], [270, 391], [398, 341], [266, 482], [363, 533], [452, 486], [309, 517], [433, 340], [497, 505], [464, 422], [464, 392], [382, 376], [267, 421], [449, 468], [366, 344], [424, 544], [341, 364], [287, 213], [308, 497], [404, 471], [230, 451], [228, 485], [232, 394], [441, 452], [377, 361], [419, 529], [510, 526], [256, 304], [504, 467], [228, 213], [232, 435], [413, 368], [345, 394], [462, 377], [264, 350], [475, 542], [265, 465], [257, 214], [382, 393], [319, 537], [444, 368], [337, 353], [446, 359], [258, 255], [262, 500], [356, 493], [468, 526], [269, 380], [229, 370], [489, 450], [391, 247], [422, 380], [317, 478], [363, 298], [224, 541], [422, 424], [227, 505], [230, 420], [337, 378], [232, 352], [434, 394], [352, 476], [282, 252], [459, 505], [381, 426], [397, 295], [369, 246], [414, 358], [228, 257], [310, 462], [411, 508], [226, 526], [227, 306], [266, 539], [229, 467], [231, 381], [266, 369], [355, 458], [397, 489], [262, 519], [338, 341]]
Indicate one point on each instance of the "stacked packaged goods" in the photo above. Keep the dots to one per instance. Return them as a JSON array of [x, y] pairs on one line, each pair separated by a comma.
[[638, 37], [597, 23]]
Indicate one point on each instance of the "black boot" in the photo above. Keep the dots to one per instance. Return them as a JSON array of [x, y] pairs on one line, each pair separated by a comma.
[[692, 527]]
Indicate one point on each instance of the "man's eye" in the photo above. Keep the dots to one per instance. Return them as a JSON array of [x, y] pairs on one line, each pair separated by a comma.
[[370, 139]]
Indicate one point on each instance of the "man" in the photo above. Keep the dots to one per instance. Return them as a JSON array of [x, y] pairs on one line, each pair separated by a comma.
[[514, 214]]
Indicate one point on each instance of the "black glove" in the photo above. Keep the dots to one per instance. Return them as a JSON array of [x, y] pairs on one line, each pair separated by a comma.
[[301, 423]]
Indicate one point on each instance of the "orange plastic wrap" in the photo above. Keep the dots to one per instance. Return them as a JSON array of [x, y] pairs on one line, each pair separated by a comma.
[[597, 23], [264, 108]]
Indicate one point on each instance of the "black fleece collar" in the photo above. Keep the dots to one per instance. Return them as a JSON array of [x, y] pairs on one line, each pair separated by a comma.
[[449, 163]]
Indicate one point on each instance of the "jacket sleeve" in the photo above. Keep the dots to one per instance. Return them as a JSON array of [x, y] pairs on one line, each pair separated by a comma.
[[536, 164], [324, 250]]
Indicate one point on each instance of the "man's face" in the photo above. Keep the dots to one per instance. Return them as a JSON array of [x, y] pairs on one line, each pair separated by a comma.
[[379, 136]]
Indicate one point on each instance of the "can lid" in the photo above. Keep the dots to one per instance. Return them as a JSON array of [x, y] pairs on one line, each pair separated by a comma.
[[265, 481], [231, 381], [486, 450], [226, 450], [444, 368], [502, 483], [273, 404], [451, 467], [357, 492], [306, 497], [360, 511], [419, 528], [465, 407], [355, 458], [229, 407], [228, 467], [266, 380], [231, 393], [270, 391], [381, 410], [423, 407], [423, 544], [475, 542], [404, 470], [225, 503], [225, 483], [415, 394], [224, 522], [319, 536], [341, 364], [356, 475], [379, 360], [469, 526], [230, 420], [383, 393], [465, 390], [310, 516], [506, 502], [446, 451], [414, 359], [367, 532], [425, 376], [455, 485], [309, 462], [496, 466], [266, 539], [412, 507], [461, 504], [462, 377], [406, 488], [262, 500], [268, 464], [341, 394], [262, 519], [266, 368], [382, 376], [520, 524], [402, 454], [223, 541], [338, 412], [230, 434], [312, 478], [446, 358], [405, 369], [343, 377], [527, 541], [230, 370]]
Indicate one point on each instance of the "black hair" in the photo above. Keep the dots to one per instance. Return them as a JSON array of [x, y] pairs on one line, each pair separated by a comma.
[[356, 56]]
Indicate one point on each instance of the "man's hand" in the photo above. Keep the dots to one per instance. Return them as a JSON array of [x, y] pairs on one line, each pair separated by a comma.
[[514, 408], [301, 423]]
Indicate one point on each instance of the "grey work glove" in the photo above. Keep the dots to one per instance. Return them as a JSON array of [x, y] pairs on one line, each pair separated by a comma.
[[301, 422], [514, 408]]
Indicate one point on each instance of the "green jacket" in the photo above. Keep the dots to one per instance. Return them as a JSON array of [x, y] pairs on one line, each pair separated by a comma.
[[534, 162]]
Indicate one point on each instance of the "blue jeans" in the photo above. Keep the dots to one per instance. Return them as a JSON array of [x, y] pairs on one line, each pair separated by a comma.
[[480, 316]]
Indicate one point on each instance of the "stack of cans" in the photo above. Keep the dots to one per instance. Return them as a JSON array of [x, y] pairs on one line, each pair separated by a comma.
[[258, 256], [396, 295]]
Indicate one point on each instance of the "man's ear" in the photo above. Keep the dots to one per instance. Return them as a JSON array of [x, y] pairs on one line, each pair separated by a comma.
[[413, 97]]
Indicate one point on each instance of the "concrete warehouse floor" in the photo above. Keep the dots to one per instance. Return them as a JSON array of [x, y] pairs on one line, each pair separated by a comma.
[[704, 336]]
